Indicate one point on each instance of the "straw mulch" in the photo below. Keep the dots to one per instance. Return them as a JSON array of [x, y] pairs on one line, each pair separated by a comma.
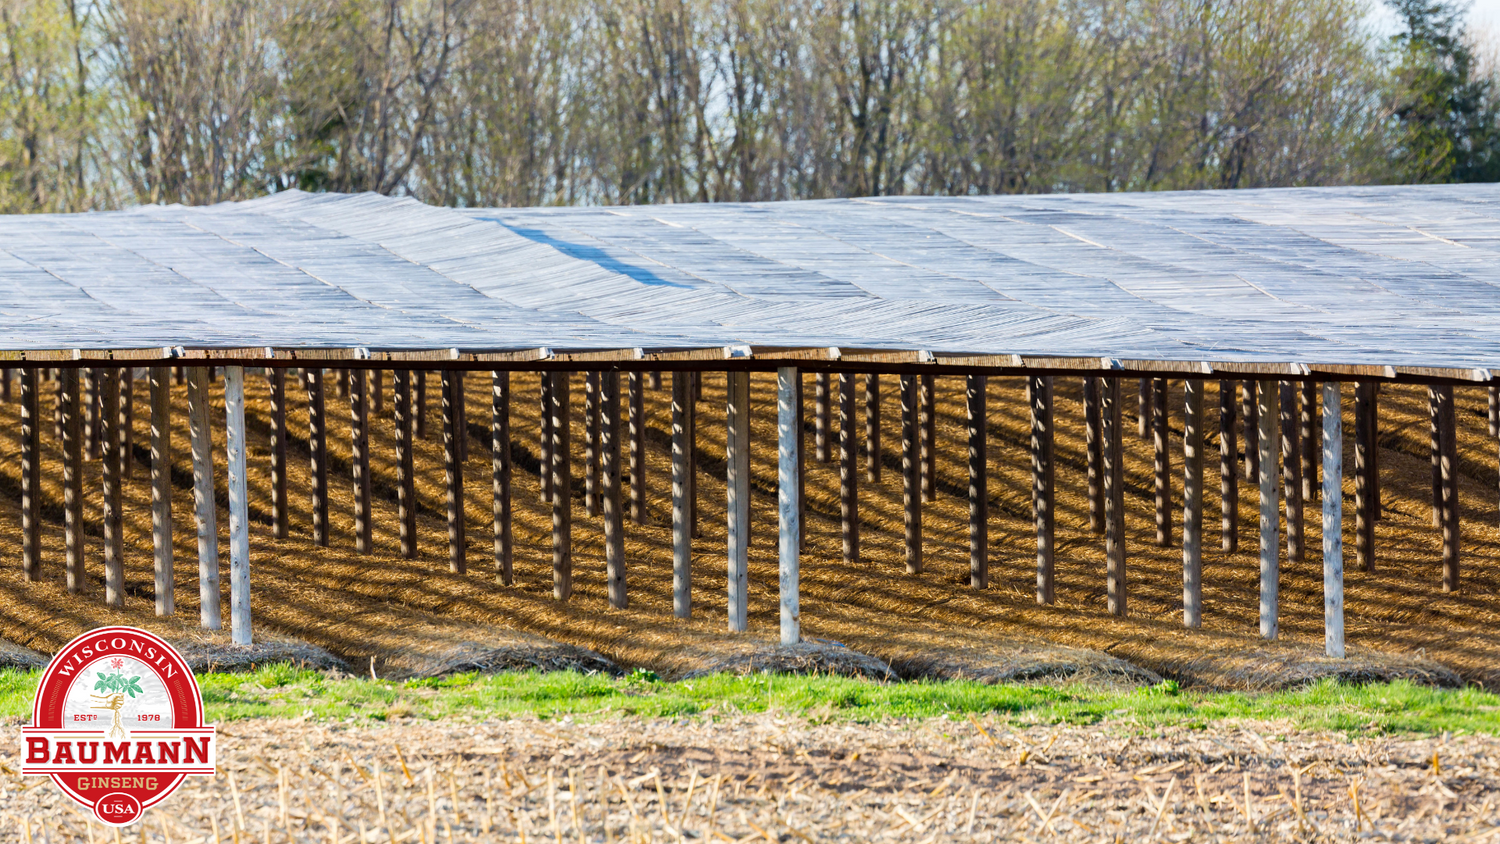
[[411, 615], [738, 777]]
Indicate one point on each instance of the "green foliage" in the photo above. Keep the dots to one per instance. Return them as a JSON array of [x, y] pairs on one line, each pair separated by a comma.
[[117, 683], [284, 691]]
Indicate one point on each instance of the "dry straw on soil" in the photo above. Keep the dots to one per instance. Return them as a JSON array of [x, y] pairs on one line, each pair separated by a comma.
[[412, 615], [748, 778]]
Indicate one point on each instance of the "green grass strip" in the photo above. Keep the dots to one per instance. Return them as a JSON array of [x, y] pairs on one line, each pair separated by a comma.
[[283, 691]]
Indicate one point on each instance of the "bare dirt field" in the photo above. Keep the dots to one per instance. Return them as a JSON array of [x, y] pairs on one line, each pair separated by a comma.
[[769, 778], [415, 617]]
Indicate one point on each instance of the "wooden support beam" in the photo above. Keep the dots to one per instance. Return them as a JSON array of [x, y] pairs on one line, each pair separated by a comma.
[[239, 505], [1093, 439], [419, 416], [161, 490], [71, 403], [976, 389], [1377, 509], [500, 463], [113, 461], [1268, 412], [453, 472], [544, 449], [655, 375], [610, 505], [127, 421], [872, 427], [317, 439], [461, 417], [1448, 449], [59, 401], [821, 413], [91, 413], [789, 515], [205, 512], [591, 443], [377, 392], [1162, 463], [1251, 416], [1114, 496], [1039, 400], [1229, 486], [911, 481], [281, 516], [406, 481], [31, 477], [737, 483], [695, 385], [1364, 516], [637, 424], [682, 483], [848, 471], [1291, 470], [928, 435], [801, 410], [1144, 408], [5, 376], [1307, 436], [1333, 519], [562, 486], [341, 378], [1494, 411], [1435, 452], [359, 431], [1192, 503]]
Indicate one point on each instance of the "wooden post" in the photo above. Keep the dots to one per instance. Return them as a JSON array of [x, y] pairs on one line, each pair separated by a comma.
[[317, 437], [161, 490], [975, 394], [359, 430], [341, 381], [377, 392], [872, 427], [91, 417], [1494, 411], [204, 510], [5, 376], [737, 483], [419, 416], [591, 443], [126, 421], [848, 471], [1377, 510], [911, 481], [546, 436], [1435, 451], [928, 437], [1291, 471], [695, 385], [801, 458], [1094, 439], [1307, 436], [1448, 445], [406, 482], [1162, 463], [562, 487], [280, 510], [682, 482], [1251, 415], [31, 477], [1364, 519], [113, 461], [1333, 519], [239, 505], [609, 470], [453, 472], [788, 511], [57, 406], [461, 418], [1192, 503], [1270, 516], [501, 469], [1229, 486], [72, 408], [1039, 399], [821, 414], [1144, 408], [1114, 496], [637, 424], [655, 376]]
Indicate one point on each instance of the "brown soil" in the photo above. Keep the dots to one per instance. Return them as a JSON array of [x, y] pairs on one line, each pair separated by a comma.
[[412, 615], [768, 777]]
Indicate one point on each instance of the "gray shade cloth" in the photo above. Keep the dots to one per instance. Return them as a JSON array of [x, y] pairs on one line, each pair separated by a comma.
[[1390, 276]]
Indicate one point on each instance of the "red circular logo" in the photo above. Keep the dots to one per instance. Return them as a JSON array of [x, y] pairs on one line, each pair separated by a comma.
[[118, 723]]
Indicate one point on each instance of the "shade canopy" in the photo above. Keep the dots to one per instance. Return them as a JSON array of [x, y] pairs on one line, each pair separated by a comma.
[[1398, 279]]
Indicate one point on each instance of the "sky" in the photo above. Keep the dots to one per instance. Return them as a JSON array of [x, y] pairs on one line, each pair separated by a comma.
[[1484, 15]]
